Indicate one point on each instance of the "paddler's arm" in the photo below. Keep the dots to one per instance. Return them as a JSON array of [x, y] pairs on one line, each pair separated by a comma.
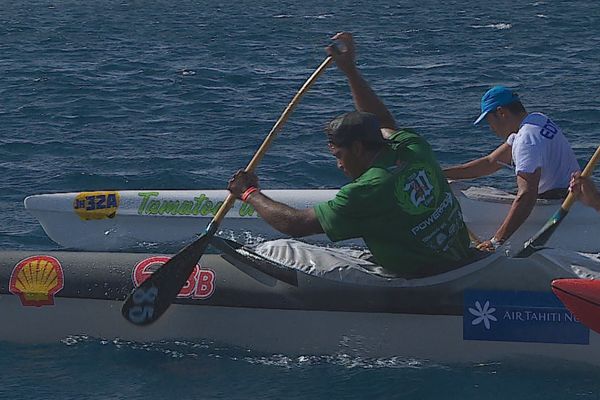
[[519, 211], [482, 166], [286, 219], [364, 97]]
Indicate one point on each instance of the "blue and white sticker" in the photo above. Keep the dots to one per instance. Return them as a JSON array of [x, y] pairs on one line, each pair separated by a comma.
[[520, 317]]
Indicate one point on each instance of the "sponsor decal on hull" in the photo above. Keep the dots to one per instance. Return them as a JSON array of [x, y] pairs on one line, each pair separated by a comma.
[[36, 280], [96, 205], [200, 284], [201, 205], [534, 317]]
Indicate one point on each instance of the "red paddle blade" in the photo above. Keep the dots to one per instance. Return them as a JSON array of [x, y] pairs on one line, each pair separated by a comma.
[[582, 298]]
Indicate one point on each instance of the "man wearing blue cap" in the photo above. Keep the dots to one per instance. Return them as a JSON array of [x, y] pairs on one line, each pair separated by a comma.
[[541, 155]]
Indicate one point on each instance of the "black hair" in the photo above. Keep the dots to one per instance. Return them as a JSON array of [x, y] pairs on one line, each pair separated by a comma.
[[364, 127], [516, 107]]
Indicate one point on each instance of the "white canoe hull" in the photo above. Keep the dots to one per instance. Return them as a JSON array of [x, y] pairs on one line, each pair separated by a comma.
[[147, 217], [290, 332]]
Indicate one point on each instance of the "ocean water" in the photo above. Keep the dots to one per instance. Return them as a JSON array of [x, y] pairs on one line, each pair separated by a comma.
[[178, 95]]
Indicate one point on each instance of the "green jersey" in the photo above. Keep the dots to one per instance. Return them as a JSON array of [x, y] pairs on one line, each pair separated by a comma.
[[403, 208]]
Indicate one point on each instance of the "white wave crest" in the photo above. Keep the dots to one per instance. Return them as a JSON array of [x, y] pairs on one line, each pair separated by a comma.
[[500, 26]]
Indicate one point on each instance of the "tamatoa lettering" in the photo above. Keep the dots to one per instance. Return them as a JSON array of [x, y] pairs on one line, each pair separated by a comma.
[[151, 204]]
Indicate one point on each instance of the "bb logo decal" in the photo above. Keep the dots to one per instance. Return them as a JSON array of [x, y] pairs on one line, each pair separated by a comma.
[[96, 205], [36, 280], [200, 284]]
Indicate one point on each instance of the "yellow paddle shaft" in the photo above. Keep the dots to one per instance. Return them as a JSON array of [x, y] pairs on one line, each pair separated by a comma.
[[230, 200]]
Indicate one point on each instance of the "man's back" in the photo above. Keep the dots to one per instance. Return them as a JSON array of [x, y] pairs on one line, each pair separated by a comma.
[[540, 143], [404, 210]]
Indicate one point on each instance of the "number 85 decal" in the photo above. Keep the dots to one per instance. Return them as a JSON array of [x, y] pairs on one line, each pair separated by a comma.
[[142, 311]]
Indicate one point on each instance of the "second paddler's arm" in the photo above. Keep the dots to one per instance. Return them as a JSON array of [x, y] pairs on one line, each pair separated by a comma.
[[287, 220], [522, 205], [483, 166], [364, 97]]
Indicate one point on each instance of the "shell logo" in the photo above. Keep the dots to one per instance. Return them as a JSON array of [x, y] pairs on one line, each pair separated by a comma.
[[96, 205], [36, 280]]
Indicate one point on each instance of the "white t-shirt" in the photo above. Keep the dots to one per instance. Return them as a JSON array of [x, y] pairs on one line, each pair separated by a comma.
[[540, 143]]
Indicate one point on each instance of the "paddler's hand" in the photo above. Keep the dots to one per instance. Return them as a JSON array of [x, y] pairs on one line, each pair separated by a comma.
[[343, 51], [486, 246], [489, 245], [241, 182], [585, 190]]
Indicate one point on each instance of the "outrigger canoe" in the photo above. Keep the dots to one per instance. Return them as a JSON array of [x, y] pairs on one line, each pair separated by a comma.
[[492, 309], [117, 220]]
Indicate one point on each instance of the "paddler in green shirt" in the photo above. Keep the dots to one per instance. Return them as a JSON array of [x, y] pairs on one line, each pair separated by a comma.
[[398, 202]]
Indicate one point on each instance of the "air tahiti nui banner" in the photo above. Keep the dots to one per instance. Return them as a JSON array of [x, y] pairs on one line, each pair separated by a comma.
[[520, 317]]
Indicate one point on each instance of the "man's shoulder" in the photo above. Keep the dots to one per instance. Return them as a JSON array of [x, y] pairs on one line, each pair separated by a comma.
[[407, 139], [366, 187], [405, 134], [535, 119], [536, 128], [530, 129], [373, 176]]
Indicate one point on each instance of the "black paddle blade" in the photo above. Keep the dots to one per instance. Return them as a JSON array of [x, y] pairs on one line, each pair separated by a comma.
[[146, 303], [543, 235]]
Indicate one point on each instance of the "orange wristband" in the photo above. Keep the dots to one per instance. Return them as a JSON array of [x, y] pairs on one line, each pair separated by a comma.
[[248, 192]]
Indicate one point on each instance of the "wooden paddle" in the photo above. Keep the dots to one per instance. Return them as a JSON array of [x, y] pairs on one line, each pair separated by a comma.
[[541, 237], [152, 298]]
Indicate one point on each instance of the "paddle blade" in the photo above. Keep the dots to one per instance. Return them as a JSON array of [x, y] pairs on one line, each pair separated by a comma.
[[146, 303], [582, 298], [543, 235]]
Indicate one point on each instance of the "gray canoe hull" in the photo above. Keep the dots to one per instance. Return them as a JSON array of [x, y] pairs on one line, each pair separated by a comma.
[[273, 310]]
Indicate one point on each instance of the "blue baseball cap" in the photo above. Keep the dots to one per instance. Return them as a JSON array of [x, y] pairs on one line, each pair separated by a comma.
[[495, 97]]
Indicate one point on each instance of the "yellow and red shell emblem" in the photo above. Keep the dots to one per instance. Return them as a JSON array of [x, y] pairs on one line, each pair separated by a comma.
[[36, 280], [96, 205]]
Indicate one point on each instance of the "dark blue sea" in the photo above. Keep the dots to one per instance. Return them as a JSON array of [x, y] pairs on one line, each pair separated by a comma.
[[179, 94]]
